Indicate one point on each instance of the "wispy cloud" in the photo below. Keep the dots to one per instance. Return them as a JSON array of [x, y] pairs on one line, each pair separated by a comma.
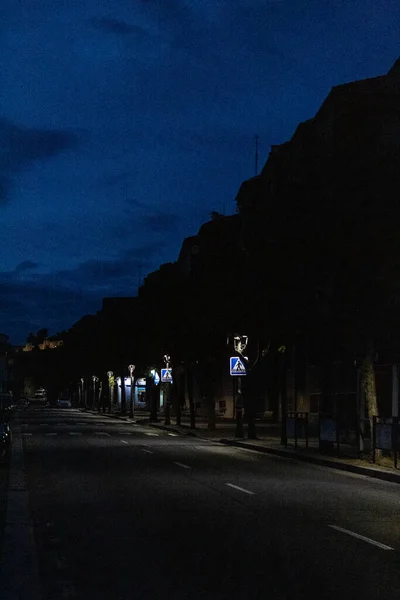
[[114, 26], [22, 146], [26, 265]]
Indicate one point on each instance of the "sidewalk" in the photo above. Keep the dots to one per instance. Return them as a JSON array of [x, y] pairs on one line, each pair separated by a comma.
[[269, 442]]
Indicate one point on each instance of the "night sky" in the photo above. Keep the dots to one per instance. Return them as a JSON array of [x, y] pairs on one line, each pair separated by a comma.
[[124, 124]]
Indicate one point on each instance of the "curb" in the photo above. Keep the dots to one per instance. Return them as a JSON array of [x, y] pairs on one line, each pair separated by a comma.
[[173, 428], [316, 460], [367, 471]]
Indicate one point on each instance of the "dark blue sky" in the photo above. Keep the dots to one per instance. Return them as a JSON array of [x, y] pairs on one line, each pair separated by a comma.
[[124, 124]]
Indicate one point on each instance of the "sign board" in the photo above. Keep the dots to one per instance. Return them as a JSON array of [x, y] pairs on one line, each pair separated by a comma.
[[237, 366], [383, 435], [290, 427], [166, 375], [327, 431]]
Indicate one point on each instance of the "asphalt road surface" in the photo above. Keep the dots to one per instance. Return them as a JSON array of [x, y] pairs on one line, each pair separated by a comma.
[[130, 512]]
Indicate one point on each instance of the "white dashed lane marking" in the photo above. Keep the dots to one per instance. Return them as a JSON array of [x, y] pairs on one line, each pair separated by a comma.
[[182, 465], [361, 537], [123, 441], [152, 434], [147, 451], [236, 487], [102, 433], [75, 433]]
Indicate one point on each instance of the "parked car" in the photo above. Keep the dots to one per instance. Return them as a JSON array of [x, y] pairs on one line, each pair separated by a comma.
[[22, 403], [39, 398], [5, 440], [64, 403]]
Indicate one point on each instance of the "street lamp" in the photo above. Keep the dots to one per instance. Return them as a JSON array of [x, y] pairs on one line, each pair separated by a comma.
[[131, 400], [110, 388], [82, 392], [167, 409], [240, 344], [95, 380]]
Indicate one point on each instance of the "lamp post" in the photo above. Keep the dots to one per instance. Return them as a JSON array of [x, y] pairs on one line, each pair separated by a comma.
[[95, 380], [240, 343], [167, 410], [110, 388], [152, 395], [83, 392], [131, 400]]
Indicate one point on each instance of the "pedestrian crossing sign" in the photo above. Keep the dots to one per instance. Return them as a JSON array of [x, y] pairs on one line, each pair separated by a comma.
[[237, 366], [166, 375]]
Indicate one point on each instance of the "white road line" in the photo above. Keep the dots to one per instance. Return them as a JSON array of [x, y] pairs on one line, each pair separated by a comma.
[[236, 487], [148, 451], [362, 537], [182, 465], [75, 433], [153, 434], [173, 434], [81, 423], [23, 433], [51, 434], [123, 441], [102, 433]]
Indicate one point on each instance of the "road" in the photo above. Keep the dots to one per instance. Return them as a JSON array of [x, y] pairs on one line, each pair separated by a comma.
[[127, 511]]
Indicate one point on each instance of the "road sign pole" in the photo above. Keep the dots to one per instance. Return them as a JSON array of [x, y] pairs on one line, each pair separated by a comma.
[[132, 396], [239, 433], [166, 378]]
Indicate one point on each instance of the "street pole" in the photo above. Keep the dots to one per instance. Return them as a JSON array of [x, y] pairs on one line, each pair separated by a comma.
[[240, 343], [83, 392], [94, 379], [167, 409], [131, 401], [239, 432], [109, 375]]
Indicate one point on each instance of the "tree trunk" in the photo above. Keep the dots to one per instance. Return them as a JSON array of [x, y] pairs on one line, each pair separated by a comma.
[[368, 383], [123, 396], [211, 411], [249, 393], [190, 385], [151, 400], [178, 377], [167, 403]]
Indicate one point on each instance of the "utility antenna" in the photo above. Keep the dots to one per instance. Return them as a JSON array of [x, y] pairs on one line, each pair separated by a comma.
[[256, 137]]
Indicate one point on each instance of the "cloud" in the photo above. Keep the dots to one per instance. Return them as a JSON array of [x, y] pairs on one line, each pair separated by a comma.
[[114, 26], [162, 222], [21, 147], [26, 265]]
